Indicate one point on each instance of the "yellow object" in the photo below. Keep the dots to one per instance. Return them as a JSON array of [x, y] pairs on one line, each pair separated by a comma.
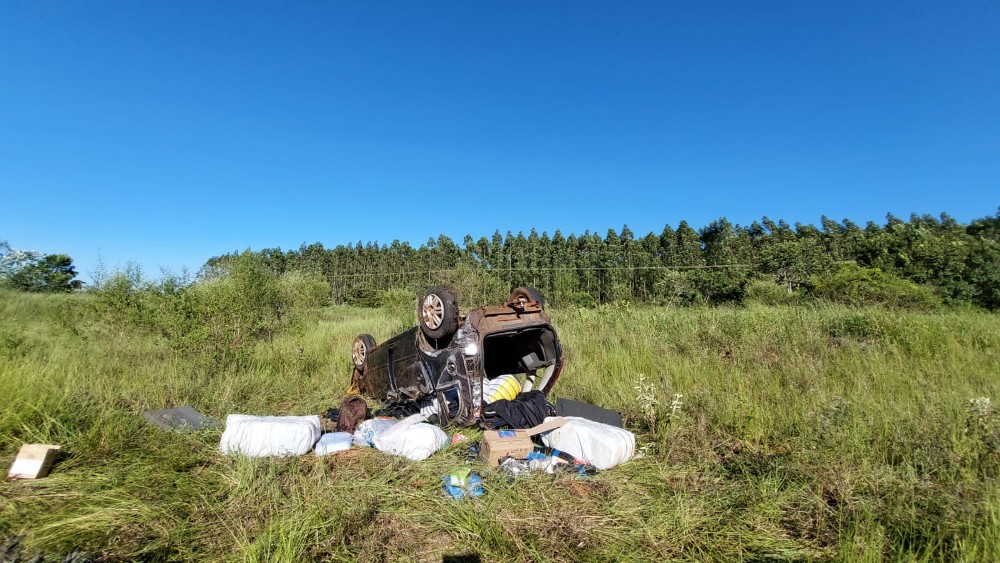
[[503, 387]]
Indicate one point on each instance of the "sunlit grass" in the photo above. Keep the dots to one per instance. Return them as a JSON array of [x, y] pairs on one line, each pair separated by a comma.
[[824, 433]]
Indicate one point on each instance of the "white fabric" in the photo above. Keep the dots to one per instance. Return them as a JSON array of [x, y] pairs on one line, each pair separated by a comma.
[[260, 436], [602, 445], [411, 438], [334, 442]]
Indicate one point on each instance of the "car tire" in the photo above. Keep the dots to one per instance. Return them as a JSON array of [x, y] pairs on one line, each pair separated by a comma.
[[362, 346], [437, 312], [526, 293]]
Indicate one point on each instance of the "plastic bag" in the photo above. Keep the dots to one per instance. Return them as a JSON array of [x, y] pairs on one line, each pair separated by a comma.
[[462, 483], [365, 433], [334, 442], [602, 445], [261, 436], [411, 438]]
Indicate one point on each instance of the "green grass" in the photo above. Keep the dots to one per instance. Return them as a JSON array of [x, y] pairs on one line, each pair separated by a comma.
[[776, 433]]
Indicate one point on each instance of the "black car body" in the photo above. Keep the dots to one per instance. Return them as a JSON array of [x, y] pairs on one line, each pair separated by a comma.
[[452, 357]]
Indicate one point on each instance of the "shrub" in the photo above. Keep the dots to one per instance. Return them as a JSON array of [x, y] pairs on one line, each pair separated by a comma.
[[398, 299], [217, 318], [121, 298], [717, 286], [363, 297], [473, 286], [301, 290], [857, 286], [677, 288], [765, 292], [577, 299], [245, 303]]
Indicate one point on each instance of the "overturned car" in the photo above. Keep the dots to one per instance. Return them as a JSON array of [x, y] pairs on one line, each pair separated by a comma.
[[450, 363]]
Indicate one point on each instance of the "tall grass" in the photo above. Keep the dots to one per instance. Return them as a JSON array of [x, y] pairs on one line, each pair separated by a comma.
[[768, 432]]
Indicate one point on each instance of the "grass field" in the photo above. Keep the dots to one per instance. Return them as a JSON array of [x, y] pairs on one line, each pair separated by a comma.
[[768, 433]]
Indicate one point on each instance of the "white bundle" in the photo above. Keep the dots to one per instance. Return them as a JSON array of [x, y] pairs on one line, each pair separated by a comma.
[[412, 438], [261, 436], [602, 445]]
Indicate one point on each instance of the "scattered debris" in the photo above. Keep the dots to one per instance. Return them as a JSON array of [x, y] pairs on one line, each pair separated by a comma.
[[33, 461], [328, 420], [546, 460], [181, 418], [498, 444], [462, 483]]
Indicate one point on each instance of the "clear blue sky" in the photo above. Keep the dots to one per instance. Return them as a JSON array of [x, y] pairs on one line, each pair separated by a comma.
[[168, 132]]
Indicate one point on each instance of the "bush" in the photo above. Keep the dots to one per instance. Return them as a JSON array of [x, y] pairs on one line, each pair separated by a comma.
[[763, 292], [857, 286], [677, 288], [579, 299], [217, 318], [717, 286], [363, 297], [301, 290], [398, 299], [246, 304], [473, 286], [121, 298]]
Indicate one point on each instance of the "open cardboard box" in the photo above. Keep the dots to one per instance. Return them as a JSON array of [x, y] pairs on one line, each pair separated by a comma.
[[517, 444]]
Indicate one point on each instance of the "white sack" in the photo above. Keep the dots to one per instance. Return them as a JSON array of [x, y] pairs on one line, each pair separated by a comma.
[[602, 445], [412, 438], [365, 433], [260, 436], [334, 442]]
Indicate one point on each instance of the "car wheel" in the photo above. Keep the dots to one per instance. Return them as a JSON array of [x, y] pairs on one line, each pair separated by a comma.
[[363, 344], [437, 312], [527, 294]]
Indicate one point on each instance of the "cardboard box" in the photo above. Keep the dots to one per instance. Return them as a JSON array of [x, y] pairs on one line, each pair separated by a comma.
[[517, 444], [33, 461]]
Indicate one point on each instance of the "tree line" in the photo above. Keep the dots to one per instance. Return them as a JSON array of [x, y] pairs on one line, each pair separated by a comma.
[[923, 260]]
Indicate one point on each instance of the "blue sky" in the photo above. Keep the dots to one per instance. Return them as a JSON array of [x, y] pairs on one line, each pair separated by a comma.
[[164, 133]]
